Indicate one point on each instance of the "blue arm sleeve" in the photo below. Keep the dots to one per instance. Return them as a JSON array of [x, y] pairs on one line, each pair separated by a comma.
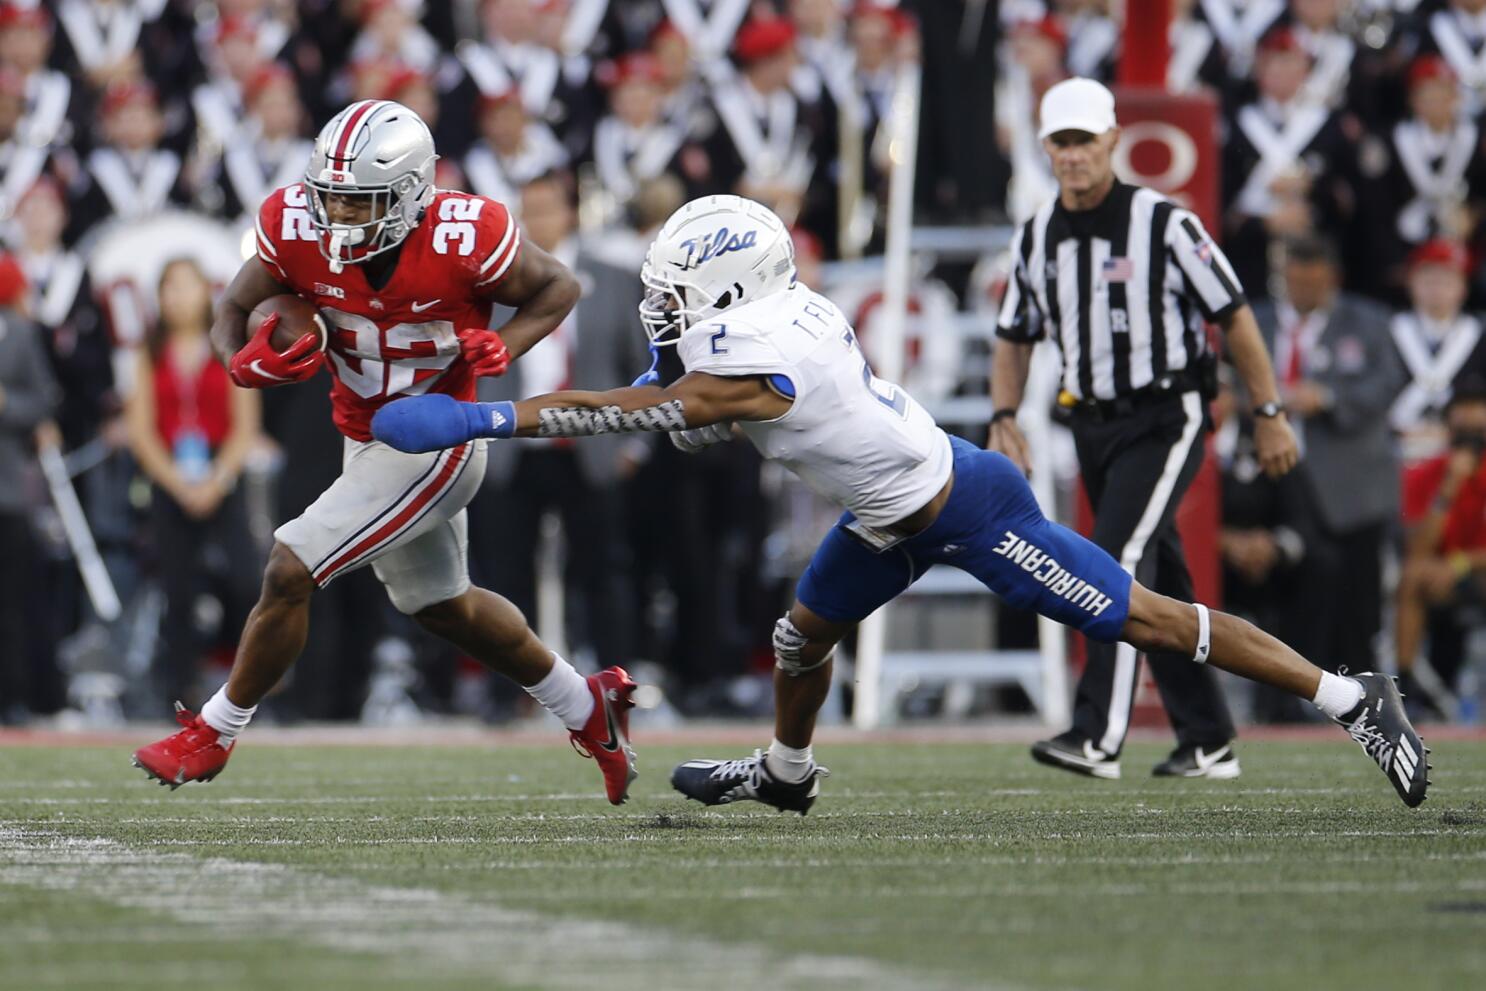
[[432, 423]]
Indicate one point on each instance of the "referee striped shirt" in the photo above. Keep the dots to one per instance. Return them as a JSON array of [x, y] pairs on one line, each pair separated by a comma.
[[1124, 288]]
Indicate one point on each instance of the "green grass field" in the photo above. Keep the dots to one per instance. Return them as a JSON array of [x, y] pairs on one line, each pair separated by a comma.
[[924, 866]]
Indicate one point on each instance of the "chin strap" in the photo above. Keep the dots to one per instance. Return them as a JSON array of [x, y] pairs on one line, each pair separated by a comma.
[[337, 241]]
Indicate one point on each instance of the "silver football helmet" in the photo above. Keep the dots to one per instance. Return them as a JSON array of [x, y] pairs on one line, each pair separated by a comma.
[[373, 148]]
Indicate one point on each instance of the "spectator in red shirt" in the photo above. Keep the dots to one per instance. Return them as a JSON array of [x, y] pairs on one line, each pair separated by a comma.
[[1444, 573], [191, 430]]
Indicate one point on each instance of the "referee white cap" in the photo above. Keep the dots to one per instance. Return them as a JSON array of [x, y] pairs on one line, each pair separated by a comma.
[[1077, 104]]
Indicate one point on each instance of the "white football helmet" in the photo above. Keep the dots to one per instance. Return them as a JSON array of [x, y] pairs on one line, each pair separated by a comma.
[[713, 254], [373, 148]]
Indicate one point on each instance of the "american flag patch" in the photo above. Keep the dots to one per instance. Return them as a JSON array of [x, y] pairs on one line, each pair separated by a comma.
[[1118, 270]]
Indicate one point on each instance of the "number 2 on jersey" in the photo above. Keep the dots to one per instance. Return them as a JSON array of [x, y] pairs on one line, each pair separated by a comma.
[[886, 393], [889, 395]]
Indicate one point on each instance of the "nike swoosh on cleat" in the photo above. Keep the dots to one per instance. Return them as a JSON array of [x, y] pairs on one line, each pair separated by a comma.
[[611, 744], [1206, 761]]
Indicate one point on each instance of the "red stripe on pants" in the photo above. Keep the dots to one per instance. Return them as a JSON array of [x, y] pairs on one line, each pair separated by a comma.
[[420, 503]]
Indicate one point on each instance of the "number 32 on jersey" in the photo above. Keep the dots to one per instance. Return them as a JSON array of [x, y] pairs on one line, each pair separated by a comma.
[[375, 363], [456, 228]]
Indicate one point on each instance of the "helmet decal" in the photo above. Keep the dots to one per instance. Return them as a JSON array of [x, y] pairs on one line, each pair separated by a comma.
[[713, 254], [709, 246], [339, 147]]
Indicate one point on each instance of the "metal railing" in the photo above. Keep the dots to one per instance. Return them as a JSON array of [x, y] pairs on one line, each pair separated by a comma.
[[882, 674]]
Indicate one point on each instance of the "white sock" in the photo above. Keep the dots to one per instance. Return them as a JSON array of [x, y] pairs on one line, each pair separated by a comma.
[[788, 764], [226, 718], [1337, 695], [564, 693]]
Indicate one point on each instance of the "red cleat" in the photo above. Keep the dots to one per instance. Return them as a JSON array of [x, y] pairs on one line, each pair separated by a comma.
[[605, 737], [193, 754]]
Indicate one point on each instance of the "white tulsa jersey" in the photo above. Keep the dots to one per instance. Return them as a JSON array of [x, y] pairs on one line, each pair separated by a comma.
[[859, 441]]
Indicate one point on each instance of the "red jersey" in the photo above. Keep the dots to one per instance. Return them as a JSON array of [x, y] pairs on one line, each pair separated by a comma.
[[202, 402], [398, 340], [1465, 527]]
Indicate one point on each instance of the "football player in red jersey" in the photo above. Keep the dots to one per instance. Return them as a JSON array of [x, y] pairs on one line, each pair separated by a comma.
[[404, 276]]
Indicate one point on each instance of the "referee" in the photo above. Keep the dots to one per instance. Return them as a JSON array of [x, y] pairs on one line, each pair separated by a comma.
[[1123, 280]]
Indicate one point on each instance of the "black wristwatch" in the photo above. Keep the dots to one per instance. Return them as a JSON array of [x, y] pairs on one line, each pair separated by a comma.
[[1002, 414], [1269, 410]]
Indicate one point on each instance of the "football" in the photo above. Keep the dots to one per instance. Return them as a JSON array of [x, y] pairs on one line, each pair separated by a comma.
[[296, 318]]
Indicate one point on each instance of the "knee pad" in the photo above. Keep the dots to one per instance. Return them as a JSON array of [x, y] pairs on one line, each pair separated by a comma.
[[789, 644]]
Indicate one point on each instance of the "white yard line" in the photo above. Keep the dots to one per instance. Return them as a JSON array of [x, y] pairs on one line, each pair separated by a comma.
[[665, 837], [424, 931], [658, 821], [251, 828], [629, 839], [253, 825], [488, 798]]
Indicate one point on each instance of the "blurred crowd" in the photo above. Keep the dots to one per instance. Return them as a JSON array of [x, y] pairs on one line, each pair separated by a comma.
[[1354, 118], [137, 138], [1352, 192]]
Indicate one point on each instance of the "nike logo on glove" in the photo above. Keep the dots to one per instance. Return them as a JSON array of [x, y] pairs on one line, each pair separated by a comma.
[[256, 367], [420, 307]]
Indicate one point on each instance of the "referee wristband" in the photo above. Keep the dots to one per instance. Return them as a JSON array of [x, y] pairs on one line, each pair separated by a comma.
[[1002, 414]]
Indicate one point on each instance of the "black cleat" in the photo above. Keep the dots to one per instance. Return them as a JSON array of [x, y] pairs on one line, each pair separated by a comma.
[[1072, 751], [1382, 728], [721, 782], [1199, 762]]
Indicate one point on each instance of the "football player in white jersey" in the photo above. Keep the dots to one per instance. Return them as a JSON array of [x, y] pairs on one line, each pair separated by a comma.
[[764, 352]]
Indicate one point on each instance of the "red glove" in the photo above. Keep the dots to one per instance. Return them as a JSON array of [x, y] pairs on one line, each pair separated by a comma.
[[484, 350], [258, 366]]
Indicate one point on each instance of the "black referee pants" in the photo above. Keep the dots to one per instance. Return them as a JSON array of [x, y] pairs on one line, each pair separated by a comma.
[[1136, 468]]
